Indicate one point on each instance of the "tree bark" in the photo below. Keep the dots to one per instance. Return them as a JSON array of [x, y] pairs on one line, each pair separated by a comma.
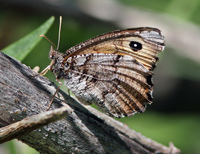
[[85, 130]]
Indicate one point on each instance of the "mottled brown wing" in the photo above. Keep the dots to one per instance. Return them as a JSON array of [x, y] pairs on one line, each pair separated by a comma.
[[118, 85], [142, 44], [112, 70]]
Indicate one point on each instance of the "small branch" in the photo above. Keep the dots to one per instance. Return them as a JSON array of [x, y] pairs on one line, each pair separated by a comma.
[[85, 130], [29, 124]]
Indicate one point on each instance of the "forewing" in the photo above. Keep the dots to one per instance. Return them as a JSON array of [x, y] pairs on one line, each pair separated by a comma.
[[142, 44]]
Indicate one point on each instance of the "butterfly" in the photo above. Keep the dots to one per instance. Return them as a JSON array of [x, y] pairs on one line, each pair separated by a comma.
[[112, 70]]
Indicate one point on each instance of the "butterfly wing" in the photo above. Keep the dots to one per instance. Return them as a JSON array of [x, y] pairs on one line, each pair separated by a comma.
[[142, 44], [118, 85], [112, 70]]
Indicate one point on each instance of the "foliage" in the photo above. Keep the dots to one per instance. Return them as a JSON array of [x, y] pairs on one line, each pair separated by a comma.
[[23, 47]]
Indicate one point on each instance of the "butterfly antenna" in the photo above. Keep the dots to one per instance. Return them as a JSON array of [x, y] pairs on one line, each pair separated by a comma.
[[59, 33], [48, 40]]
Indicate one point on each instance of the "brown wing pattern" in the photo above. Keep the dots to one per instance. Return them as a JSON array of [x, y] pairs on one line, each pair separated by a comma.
[[119, 85], [120, 42], [112, 70]]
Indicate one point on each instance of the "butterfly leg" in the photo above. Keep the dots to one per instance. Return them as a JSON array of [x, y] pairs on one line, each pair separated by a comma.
[[60, 83], [36, 69], [44, 71], [68, 92]]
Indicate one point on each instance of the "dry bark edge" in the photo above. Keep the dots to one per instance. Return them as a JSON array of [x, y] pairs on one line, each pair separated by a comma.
[[86, 130]]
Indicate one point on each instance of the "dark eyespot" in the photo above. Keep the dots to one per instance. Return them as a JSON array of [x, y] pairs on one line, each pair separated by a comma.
[[135, 46]]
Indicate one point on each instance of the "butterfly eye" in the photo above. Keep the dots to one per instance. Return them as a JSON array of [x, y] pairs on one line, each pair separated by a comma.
[[135, 46]]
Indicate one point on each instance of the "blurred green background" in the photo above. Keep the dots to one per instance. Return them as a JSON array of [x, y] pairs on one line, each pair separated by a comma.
[[174, 115]]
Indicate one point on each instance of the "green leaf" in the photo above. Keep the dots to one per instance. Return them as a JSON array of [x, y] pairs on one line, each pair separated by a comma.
[[21, 48]]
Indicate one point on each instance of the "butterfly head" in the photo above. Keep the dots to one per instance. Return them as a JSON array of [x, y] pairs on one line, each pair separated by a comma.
[[56, 65]]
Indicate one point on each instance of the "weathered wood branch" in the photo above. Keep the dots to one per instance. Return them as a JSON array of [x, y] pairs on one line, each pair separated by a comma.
[[85, 130], [29, 124]]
